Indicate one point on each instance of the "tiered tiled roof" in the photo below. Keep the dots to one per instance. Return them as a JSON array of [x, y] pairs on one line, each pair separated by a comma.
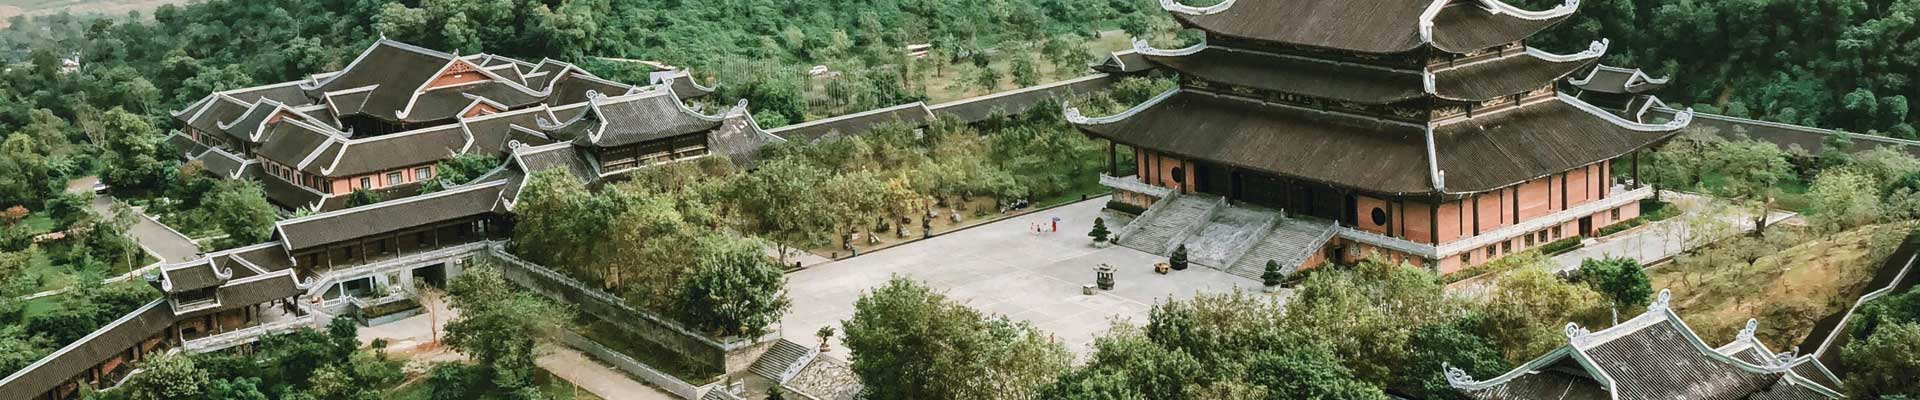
[[1371, 26], [1478, 154], [441, 104], [1656, 356], [1391, 97]]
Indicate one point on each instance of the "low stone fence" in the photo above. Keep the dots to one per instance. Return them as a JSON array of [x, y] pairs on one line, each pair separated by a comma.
[[728, 355], [660, 379]]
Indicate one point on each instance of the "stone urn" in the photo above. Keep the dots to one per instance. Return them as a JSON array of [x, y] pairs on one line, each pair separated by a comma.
[[1103, 276]]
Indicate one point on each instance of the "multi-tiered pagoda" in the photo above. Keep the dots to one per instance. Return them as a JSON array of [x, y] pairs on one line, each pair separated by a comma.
[[1423, 131]]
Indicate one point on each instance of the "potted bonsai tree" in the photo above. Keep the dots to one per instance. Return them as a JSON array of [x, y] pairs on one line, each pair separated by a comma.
[[1099, 233], [1179, 259], [825, 332], [1273, 277]]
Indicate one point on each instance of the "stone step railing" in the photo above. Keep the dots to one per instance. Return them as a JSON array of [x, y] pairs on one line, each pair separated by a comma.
[[1133, 184], [1195, 225], [1260, 235], [1159, 207]]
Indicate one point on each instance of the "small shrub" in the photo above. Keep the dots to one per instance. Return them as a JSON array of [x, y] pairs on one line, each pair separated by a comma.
[[1273, 276], [1562, 246], [1099, 232]]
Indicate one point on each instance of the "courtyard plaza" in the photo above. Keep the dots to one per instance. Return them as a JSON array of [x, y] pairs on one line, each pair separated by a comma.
[[1005, 268]]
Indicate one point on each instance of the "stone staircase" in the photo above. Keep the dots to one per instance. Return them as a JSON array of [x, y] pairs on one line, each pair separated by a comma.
[[783, 360], [1228, 234], [1291, 241], [1170, 221]]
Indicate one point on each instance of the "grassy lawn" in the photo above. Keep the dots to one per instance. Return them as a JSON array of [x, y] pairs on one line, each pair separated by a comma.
[[553, 388], [1787, 291]]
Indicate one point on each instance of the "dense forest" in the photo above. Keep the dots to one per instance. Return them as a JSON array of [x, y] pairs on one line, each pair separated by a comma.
[[1843, 64]]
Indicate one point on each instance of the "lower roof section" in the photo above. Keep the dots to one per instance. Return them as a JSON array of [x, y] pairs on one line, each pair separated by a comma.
[[392, 216], [1482, 153]]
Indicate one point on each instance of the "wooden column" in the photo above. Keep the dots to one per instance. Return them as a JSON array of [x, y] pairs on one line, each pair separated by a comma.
[[1112, 160], [1433, 222], [1636, 169], [1187, 177]]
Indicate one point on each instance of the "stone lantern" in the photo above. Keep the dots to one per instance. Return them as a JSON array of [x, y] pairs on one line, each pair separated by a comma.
[[1103, 275]]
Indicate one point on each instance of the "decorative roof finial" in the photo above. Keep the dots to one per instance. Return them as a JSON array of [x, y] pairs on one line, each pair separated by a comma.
[[1786, 357], [739, 108], [1457, 377], [1746, 334], [1575, 332], [1072, 113], [1143, 48], [1661, 302]]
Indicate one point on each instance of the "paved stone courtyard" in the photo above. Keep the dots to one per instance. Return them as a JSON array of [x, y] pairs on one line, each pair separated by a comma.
[[1005, 268]]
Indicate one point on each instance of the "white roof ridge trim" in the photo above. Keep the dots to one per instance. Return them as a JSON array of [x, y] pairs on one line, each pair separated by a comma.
[[1074, 117], [1567, 7], [1680, 120], [1176, 7]]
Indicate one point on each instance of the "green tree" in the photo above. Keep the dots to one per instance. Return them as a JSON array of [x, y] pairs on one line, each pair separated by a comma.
[[167, 377], [910, 342], [1127, 364], [778, 201], [1749, 170], [1439, 345], [1882, 364], [498, 326], [1528, 308], [240, 209], [364, 197], [1622, 280], [734, 290], [1844, 198], [1308, 373]]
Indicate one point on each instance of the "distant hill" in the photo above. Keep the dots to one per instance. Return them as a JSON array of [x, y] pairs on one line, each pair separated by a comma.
[[106, 7]]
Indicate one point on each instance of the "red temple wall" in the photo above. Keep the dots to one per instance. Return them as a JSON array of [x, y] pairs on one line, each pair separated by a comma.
[[1160, 170]]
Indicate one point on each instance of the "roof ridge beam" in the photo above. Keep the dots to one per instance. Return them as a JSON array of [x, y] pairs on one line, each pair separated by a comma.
[[1175, 7], [1565, 8]]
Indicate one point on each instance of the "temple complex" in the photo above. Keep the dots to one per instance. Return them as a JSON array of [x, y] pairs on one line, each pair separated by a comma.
[[1308, 131], [385, 121], [1656, 356]]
